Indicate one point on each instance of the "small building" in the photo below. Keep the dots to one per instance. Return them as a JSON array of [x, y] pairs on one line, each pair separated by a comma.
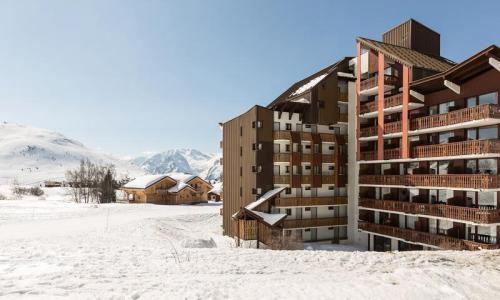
[[174, 188], [215, 194]]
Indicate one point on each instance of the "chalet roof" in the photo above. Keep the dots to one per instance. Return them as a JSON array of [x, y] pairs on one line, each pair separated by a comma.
[[292, 94], [408, 56], [267, 218], [179, 187], [186, 178], [469, 68], [145, 181]]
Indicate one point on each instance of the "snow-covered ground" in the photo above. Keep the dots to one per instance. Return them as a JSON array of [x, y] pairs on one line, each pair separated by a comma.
[[58, 249]]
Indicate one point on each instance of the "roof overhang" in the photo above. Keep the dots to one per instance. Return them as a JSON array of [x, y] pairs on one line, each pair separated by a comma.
[[468, 69]]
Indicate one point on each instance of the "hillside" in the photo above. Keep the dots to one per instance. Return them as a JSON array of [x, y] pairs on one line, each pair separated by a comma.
[[205, 165], [30, 155]]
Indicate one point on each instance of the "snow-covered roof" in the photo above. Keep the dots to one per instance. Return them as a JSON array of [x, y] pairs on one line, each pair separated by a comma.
[[182, 176], [270, 194], [271, 219], [301, 100], [144, 181], [179, 187], [346, 75], [309, 85], [217, 188]]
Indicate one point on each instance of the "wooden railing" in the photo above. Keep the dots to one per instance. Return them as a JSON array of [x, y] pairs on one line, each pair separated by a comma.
[[282, 135], [343, 97], [456, 117], [320, 222], [306, 179], [458, 148], [477, 215], [373, 81], [342, 118], [440, 241], [368, 131], [306, 157], [390, 101], [328, 158], [310, 201], [281, 179], [388, 154], [283, 157], [248, 229], [392, 127], [328, 179], [472, 181]]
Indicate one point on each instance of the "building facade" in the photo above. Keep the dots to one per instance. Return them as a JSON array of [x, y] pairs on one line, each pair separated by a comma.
[[427, 145], [415, 169], [297, 145]]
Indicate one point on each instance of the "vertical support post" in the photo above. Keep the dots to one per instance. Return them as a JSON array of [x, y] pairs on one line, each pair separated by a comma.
[[358, 98], [258, 236], [404, 115], [238, 229], [380, 104]]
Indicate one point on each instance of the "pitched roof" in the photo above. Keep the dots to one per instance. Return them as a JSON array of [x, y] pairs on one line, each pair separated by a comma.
[[469, 68], [408, 56], [179, 187], [143, 182], [305, 85]]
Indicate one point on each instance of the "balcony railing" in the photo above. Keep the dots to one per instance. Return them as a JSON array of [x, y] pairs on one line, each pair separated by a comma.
[[342, 118], [390, 101], [319, 222], [281, 179], [479, 112], [476, 215], [388, 154], [373, 81], [343, 97], [328, 179], [281, 157], [440, 241], [310, 201], [392, 127], [458, 148], [368, 131], [328, 158], [472, 181]]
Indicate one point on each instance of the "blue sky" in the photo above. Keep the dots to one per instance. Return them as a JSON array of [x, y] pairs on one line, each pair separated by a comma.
[[133, 76]]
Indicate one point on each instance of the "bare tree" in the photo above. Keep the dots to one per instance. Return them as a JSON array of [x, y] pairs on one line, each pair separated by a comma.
[[88, 181]]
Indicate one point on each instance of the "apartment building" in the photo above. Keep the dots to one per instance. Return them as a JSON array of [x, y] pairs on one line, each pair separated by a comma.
[[427, 144], [284, 165]]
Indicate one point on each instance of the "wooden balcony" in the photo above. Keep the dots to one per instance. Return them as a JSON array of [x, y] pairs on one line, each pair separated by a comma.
[[390, 101], [392, 127], [476, 215], [328, 179], [476, 113], [373, 82], [247, 229], [459, 148], [343, 97], [440, 241], [281, 157], [281, 179], [306, 179], [328, 158], [342, 118], [282, 135], [468, 181], [388, 154], [368, 131], [310, 201], [320, 222], [307, 157]]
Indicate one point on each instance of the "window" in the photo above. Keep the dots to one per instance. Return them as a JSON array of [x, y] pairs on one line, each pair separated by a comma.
[[241, 191], [287, 169], [307, 167], [288, 211], [330, 228], [241, 171], [331, 147], [307, 230], [307, 188], [307, 209], [433, 110], [321, 104], [241, 130], [330, 207], [254, 191], [331, 187], [490, 98], [471, 102], [472, 134], [288, 191], [331, 168], [307, 125], [241, 151], [446, 107], [253, 124], [288, 126], [307, 146], [490, 132], [287, 147]]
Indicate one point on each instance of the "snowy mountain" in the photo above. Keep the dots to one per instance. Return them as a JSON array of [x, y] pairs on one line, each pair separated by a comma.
[[205, 165], [30, 155]]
